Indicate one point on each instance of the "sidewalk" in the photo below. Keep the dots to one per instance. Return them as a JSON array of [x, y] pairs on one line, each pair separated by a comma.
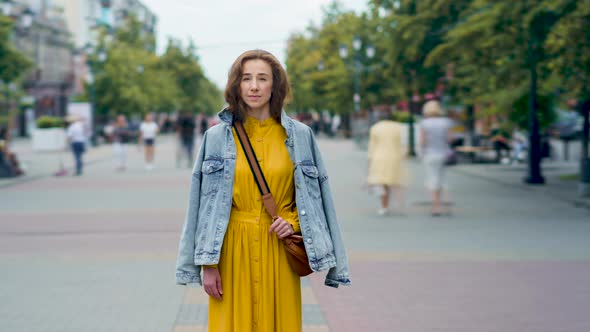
[[37, 165], [556, 173], [97, 252]]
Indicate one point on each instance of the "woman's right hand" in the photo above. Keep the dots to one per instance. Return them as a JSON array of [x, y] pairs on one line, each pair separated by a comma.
[[212, 282]]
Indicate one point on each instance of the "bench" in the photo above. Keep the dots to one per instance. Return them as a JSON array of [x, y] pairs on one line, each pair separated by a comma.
[[473, 152]]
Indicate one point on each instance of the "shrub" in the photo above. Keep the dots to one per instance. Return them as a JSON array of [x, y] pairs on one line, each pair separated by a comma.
[[50, 122], [403, 117]]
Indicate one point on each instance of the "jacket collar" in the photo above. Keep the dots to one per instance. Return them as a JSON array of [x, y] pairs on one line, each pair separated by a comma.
[[227, 117]]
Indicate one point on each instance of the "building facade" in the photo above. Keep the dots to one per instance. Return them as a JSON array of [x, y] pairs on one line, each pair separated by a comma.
[[47, 42]]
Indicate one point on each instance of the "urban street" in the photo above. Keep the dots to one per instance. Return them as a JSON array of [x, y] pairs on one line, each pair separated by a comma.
[[97, 252]]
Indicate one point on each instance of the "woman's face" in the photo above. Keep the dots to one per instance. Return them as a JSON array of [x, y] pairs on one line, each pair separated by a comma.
[[256, 84]]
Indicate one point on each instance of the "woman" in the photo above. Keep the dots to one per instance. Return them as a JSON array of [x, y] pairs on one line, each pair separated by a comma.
[[228, 231], [386, 161], [77, 137], [147, 132], [435, 136], [121, 137]]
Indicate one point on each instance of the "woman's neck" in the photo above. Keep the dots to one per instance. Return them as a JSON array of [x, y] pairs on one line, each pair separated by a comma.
[[260, 114]]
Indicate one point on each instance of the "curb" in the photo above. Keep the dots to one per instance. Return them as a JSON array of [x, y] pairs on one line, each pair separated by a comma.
[[576, 202]]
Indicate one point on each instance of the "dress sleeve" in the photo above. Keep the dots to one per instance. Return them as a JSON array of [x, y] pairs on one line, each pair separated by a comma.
[[295, 224]]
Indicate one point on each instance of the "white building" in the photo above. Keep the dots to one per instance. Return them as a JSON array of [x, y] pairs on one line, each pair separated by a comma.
[[83, 16]]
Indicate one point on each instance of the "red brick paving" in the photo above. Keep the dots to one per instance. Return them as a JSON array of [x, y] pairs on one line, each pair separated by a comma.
[[460, 296]]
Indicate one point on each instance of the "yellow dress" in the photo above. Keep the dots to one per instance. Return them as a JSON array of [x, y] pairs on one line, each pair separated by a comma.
[[260, 291], [386, 154]]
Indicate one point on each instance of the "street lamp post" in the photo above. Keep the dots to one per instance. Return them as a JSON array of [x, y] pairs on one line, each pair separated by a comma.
[[584, 184], [357, 44]]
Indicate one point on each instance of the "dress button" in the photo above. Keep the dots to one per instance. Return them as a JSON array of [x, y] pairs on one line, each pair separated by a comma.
[[256, 259], [256, 238], [259, 140], [257, 219]]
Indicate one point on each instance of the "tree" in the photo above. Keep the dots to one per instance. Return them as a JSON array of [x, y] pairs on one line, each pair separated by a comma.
[[12, 63], [12, 66], [568, 44], [413, 29], [197, 93], [134, 80]]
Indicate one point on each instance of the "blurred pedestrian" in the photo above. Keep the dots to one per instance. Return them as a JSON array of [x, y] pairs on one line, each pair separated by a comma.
[[185, 129], [336, 124], [204, 124], [9, 165], [435, 136], [387, 170], [246, 273], [77, 137], [147, 136], [121, 138]]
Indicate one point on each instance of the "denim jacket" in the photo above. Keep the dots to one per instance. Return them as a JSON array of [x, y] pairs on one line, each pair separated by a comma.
[[210, 203]]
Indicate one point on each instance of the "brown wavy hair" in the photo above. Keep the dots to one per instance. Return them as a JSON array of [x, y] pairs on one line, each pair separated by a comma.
[[281, 89]]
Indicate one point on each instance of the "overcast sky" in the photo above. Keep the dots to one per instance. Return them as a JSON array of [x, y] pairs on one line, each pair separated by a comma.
[[223, 29]]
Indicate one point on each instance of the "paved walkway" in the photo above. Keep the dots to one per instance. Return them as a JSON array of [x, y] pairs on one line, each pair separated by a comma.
[[96, 253]]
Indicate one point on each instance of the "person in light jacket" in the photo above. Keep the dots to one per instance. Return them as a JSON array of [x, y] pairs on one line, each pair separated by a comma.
[[435, 135], [228, 233]]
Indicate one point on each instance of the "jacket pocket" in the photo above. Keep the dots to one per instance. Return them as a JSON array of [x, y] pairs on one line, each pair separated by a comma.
[[311, 180], [212, 173]]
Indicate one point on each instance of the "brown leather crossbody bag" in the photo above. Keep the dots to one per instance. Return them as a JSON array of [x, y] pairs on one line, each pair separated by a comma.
[[296, 254]]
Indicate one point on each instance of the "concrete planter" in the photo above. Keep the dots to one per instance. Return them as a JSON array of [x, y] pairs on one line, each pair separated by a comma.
[[49, 139]]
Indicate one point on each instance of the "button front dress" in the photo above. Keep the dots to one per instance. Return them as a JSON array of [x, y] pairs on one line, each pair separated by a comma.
[[260, 291]]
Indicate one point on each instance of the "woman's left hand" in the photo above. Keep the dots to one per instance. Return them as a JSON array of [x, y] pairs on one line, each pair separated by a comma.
[[282, 228]]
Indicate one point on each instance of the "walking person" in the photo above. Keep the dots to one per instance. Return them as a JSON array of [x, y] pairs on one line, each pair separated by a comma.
[[185, 129], [204, 124], [121, 137], [77, 137], [435, 135], [229, 233], [387, 171], [147, 136]]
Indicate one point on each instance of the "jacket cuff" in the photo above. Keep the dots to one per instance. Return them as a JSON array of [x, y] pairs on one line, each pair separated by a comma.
[[337, 281], [184, 278]]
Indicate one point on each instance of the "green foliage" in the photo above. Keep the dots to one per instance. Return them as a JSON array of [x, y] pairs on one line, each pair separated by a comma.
[[320, 78], [568, 45], [481, 51], [46, 121], [545, 111], [197, 93], [12, 63], [134, 80], [403, 117]]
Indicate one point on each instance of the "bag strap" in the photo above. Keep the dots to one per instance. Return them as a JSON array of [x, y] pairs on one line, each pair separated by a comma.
[[267, 199]]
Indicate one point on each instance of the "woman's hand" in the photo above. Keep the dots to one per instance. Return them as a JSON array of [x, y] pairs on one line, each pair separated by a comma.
[[212, 282], [282, 228]]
